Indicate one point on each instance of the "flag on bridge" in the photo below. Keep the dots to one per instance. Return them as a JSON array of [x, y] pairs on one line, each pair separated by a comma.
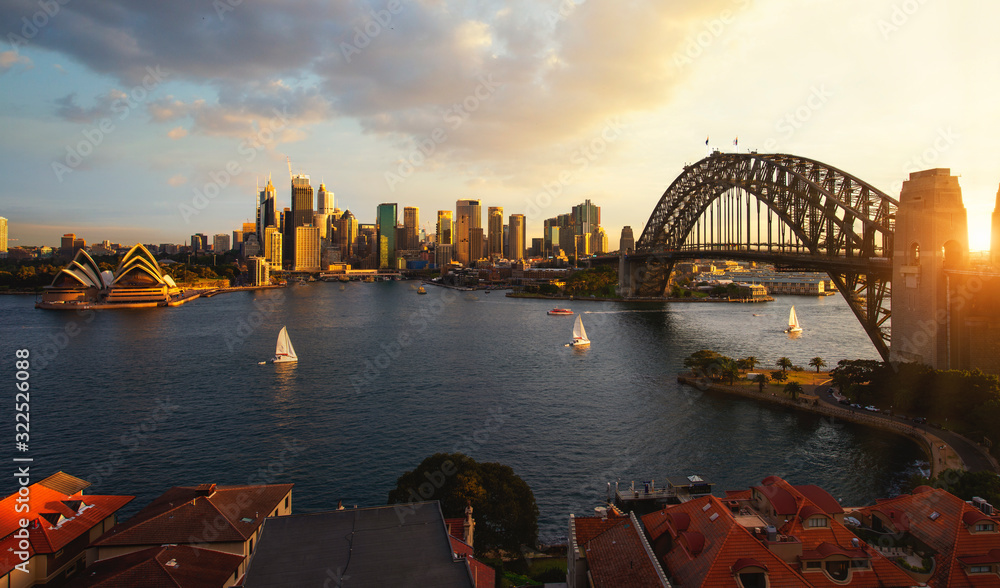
[[706, 141], [736, 142]]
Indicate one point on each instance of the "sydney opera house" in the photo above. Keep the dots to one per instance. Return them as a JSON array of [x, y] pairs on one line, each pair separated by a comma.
[[138, 281]]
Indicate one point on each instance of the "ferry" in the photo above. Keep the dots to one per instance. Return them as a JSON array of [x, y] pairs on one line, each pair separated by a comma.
[[560, 311]]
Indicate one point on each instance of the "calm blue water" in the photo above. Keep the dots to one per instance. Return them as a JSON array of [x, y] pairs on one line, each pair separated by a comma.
[[137, 401]]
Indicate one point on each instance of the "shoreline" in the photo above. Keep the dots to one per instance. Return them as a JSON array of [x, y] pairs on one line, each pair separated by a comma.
[[649, 299], [940, 455]]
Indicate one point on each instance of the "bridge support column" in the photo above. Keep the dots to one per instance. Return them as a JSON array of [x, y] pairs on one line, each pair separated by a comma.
[[624, 277]]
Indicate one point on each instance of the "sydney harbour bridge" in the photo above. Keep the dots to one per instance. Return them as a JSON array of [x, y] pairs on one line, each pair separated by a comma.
[[790, 211]]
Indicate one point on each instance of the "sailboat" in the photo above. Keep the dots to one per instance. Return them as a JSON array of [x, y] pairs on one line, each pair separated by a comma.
[[579, 334], [793, 322], [283, 351]]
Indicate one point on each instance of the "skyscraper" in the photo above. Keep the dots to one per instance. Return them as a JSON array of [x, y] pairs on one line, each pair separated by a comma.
[[411, 227], [588, 217], [347, 234], [495, 248], [385, 223], [469, 217], [302, 213], [517, 237], [266, 211], [3, 235], [237, 242], [445, 228], [272, 245], [220, 243], [307, 250], [550, 236], [627, 242], [324, 208]]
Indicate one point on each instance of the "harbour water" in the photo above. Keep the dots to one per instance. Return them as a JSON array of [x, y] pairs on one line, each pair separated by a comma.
[[137, 401]]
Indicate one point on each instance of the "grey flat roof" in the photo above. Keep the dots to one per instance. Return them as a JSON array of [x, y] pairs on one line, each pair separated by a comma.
[[400, 545]]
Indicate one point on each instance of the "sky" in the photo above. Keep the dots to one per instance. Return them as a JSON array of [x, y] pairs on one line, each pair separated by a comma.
[[151, 121]]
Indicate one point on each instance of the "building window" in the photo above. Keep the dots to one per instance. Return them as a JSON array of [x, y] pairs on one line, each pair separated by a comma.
[[814, 565], [817, 522], [837, 570], [984, 527], [753, 580], [915, 254], [980, 569], [287, 498]]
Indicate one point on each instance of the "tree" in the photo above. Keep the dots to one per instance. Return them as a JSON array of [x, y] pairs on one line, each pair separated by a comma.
[[793, 389], [963, 484], [779, 376], [784, 363], [503, 505], [706, 361], [750, 362], [817, 362], [761, 379], [728, 370]]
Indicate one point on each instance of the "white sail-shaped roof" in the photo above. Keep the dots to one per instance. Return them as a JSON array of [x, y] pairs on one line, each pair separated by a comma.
[[139, 259], [83, 270]]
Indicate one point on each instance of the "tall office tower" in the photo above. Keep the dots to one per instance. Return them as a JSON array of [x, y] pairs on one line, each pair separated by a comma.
[[567, 233], [537, 245], [600, 240], [220, 243], [995, 235], [385, 223], [626, 244], [307, 249], [550, 236], [445, 228], [266, 209], [3, 235], [469, 217], [324, 208], [477, 245], [347, 234], [411, 227], [506, 241], [284, 219], [588, 217], [258, 270], [272, 245], [66, 245], [494, 221], [237, 241], [517, 238], [368, 246], [199, 242], [302, 213]]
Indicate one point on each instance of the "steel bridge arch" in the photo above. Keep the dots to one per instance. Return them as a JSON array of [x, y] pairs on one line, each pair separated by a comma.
[[844, 224]]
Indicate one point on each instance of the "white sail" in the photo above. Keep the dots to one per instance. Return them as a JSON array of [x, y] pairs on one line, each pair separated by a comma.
[[793, 322], [579, 333], [284, 351]]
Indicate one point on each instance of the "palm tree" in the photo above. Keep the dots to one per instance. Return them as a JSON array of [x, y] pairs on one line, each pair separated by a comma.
[[761, 379], [751, 362], [779, 376], [817, 362], [784, 363], [793, 389]]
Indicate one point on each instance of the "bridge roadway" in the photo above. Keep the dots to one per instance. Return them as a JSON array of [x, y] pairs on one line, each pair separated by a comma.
[[782, 261]]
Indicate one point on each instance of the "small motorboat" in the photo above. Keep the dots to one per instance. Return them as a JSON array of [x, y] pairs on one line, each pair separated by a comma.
[[421, 290], [560, 311]]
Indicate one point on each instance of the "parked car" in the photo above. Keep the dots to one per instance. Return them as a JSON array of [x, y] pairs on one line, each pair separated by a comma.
[[871, 408], [920, 420], [845, 401]]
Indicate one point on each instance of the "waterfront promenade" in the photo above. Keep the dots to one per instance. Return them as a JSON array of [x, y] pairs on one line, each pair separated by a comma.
[[944, 449]]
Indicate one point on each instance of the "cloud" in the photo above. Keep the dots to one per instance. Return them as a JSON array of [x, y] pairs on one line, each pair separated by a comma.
[[177, 133], [104, 106], [177, 180], [59, 68], [9, 59]]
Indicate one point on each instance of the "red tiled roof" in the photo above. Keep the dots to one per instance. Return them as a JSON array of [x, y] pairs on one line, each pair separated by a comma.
[[185, 515], [778, 495], [947, 534], [483, 576], [897, 517], [167, 566], [821, 498], [746, 562], [618, 557], [456, 528], [727, 546], [589, 527], [988, 558], [972, 516], [56, 519]]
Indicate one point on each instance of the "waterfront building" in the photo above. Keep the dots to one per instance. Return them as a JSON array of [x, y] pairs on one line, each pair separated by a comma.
[[3, 235], [415, 550], [139, 279], [80, 281], [347, 234], [220, 243], [468, 218], [53, 527], [626, 244], [597, 546], [307, 249], [179, 515], [385, 224], [272, 246], [961, 538], [495, 236], [445, 228], [259, 272], [517, 238]]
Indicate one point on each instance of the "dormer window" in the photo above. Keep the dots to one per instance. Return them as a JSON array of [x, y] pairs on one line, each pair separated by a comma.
[[980, 569], [985, 527], [817, 522]]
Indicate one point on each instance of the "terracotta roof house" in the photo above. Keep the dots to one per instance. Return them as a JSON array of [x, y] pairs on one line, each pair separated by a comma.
[[218, 518], [60, 522], [962, 539], [774, 535], [609, 551], [169, 566], [376, 546]]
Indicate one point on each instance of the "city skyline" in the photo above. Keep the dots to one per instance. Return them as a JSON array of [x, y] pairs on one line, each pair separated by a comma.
[[510, 105]]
